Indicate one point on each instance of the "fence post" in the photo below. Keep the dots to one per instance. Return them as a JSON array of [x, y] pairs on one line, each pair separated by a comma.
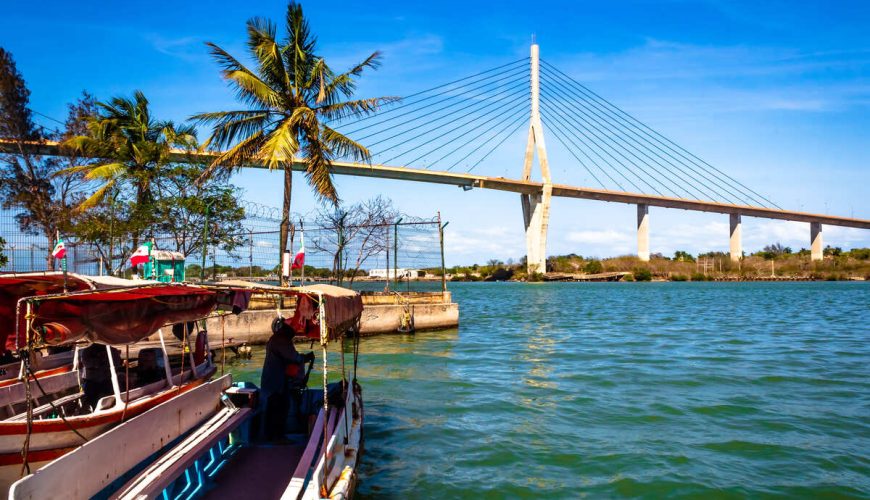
[[387, 266], [441, 242], [251, 253], [204, 244], [395, 252]]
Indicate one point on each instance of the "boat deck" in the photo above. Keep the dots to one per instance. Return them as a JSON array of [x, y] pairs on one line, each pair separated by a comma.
[[264, 469]]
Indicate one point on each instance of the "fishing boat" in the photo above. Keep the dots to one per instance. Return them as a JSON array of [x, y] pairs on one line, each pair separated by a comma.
[[105, 318], [231, 451]]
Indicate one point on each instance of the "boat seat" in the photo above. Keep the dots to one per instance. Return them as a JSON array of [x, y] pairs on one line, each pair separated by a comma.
[[164, 470], [46, 408]]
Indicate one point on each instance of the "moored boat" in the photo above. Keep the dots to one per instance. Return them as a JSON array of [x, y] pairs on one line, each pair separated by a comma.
[[236, 446], [118, 316]]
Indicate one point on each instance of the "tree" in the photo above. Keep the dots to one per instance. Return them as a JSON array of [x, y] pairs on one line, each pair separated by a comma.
[[355, 234], [28, 182], [683, 256], [134, 151], [593, 267], [291, 95], [180, 211]]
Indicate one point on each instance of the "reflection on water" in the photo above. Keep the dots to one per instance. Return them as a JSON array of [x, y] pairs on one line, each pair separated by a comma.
[[623, 390]]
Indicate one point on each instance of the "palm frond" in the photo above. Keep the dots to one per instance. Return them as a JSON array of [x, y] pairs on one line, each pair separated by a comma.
[[343, 146], [95, 199], [105, 171], [354, 109], [280, 146], [249, 88]]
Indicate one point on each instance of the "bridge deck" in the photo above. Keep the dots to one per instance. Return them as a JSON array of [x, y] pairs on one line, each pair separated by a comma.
[[504, 184]]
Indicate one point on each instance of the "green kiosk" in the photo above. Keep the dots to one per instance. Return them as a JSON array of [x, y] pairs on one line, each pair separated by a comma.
[[165, 266]]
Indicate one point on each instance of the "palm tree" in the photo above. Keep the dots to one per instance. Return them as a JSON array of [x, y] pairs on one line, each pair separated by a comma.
[[292, 95], [133, 150]]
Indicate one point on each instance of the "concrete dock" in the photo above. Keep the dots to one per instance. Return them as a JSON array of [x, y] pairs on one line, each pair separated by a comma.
[[382, 313]]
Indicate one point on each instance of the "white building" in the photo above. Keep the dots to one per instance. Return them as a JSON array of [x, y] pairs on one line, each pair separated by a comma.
[[390, 274]]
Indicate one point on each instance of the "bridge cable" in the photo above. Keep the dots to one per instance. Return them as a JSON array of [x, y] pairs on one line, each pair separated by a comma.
[[625, 115], [546, 106], [620, 142], [490, 120], [557, 134], [646, 150], [664, 140], [407, 104], [608, 141], [517, 117], [484, 157], [521, 76], [452, 124]]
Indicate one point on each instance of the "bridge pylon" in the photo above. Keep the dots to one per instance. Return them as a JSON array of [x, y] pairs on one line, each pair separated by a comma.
[[536, 206]]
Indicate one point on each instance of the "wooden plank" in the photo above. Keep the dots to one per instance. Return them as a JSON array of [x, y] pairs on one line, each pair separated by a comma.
[[122, 448], [168, 467]]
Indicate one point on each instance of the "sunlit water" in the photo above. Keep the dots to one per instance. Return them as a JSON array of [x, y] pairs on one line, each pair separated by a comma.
[[624, 390]]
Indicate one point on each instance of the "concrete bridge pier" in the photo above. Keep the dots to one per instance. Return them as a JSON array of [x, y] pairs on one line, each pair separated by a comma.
[[643, 232], [816, 245], [536, 215], [736, 249]]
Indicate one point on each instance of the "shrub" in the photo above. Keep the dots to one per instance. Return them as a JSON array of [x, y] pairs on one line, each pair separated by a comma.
[[679, 277], [699, 277], [593, 267], [642, 274]]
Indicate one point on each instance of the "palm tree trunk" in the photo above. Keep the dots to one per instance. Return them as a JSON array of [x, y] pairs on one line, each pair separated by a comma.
[[285, 218]]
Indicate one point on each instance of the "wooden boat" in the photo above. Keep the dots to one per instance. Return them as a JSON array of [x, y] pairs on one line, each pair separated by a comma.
[[224, 454], [113, 317]]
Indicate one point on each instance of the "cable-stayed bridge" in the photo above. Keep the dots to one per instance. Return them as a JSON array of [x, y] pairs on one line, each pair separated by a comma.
[[451, 133]]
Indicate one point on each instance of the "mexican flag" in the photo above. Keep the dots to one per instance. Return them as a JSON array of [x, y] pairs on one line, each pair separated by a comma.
[[59, 251], [299, 260], [141, 255]]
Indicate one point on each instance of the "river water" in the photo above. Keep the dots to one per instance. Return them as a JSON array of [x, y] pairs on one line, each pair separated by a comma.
[[566, 390]]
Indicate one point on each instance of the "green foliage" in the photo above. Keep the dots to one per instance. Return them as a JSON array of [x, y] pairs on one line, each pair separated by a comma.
[[292, 98], [699, 277], [535, 277], [683, 256], [642, 274], [860, 253], [833, 251], [29, 185], [593, 267], [679, 277]]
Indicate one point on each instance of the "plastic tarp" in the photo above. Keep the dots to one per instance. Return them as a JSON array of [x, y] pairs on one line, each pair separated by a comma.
[[343, 307], [120, 316], [16, 286]]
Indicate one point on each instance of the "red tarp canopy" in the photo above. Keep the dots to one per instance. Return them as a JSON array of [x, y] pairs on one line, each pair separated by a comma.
[[17, 286], [119, 316]]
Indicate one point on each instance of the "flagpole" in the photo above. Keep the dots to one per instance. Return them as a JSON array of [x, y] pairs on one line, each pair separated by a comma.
[[63, 264], [302, 231], [292, 237]]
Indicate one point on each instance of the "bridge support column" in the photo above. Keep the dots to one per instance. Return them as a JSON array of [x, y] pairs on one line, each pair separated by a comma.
[[643, 232], [536, 215], [816, 248], [736, 237]]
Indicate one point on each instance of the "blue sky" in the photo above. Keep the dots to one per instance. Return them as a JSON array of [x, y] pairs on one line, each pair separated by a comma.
[[776, 94]]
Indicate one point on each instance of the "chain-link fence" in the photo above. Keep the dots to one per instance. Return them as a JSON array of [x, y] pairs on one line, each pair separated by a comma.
[[409, 249]]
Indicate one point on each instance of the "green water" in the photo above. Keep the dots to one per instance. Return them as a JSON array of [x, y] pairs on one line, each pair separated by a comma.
[[566, 390]]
